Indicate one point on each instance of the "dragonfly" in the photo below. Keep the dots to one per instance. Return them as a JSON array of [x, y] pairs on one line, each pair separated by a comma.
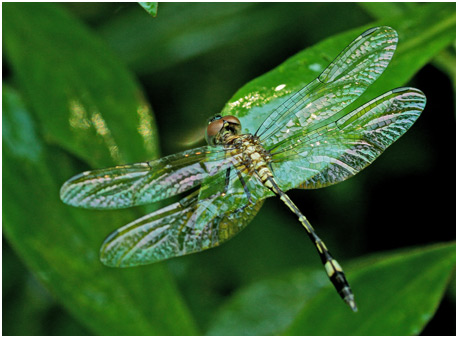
[[307, 142]]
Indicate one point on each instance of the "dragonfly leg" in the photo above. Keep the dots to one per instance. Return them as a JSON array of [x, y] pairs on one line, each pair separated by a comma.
[[245, 188], [332, 267], [190, 199], [228, 180], [242, 181]]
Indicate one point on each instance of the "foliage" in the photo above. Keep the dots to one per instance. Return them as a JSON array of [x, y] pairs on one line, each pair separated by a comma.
[[150, 7], [71, 103], [289, 303]]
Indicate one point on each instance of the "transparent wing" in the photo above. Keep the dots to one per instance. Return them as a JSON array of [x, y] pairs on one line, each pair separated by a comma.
[[340, 149], [192, 225], [342, 82], [141, 183]]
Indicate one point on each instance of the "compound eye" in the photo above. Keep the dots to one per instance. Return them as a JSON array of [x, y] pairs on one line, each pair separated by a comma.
[[214, 118], [213, 129], [235, 125], [231, 119]]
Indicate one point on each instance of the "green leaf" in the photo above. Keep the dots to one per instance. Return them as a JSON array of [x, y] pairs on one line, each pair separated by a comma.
[[267, 307], [150, 7], [422, 34], [397, 294], [60, 244], [445, 60], [387, 9], [84, 101], [83, 97]]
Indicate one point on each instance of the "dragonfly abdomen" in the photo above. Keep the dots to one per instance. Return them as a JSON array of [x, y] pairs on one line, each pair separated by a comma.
[[332, 267]]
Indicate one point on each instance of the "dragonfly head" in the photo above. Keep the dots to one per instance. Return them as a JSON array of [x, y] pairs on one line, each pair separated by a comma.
[[219, 127]]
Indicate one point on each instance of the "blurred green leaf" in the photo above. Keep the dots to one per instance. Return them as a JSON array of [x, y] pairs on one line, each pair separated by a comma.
[[84, 98], [445, 60], [397, 294], [60, 243], [85, 101], [234, 32], [267, 307], [422, 34], [150, 7], [28, 301], [387, 9]]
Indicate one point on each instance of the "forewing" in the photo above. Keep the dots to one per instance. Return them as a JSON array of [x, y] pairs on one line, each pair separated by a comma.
[[342, 82], [189, 226], [340, 149], [142, 183]]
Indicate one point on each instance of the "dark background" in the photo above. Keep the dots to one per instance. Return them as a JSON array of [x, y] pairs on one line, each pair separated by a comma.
[[382, 208]]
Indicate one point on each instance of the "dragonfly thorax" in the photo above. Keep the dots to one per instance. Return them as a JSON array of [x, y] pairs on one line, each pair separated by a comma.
[[249, 155]]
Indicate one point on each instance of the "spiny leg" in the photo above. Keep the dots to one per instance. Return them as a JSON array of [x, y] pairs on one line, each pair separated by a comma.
[[228, 180], [332, 267], [242, 181], [247, 192], [245, 188]]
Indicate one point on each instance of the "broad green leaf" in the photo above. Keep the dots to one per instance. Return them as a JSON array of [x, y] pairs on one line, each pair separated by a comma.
[[204, 31], [85, 101], [60, 244], [397, 294], [445, 60], [267, 307], [83, 97], [422, 34], [387, 9], [150, 7]]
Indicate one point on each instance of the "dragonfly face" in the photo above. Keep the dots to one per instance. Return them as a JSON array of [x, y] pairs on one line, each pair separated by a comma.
[[220, 128], [309, 141]]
